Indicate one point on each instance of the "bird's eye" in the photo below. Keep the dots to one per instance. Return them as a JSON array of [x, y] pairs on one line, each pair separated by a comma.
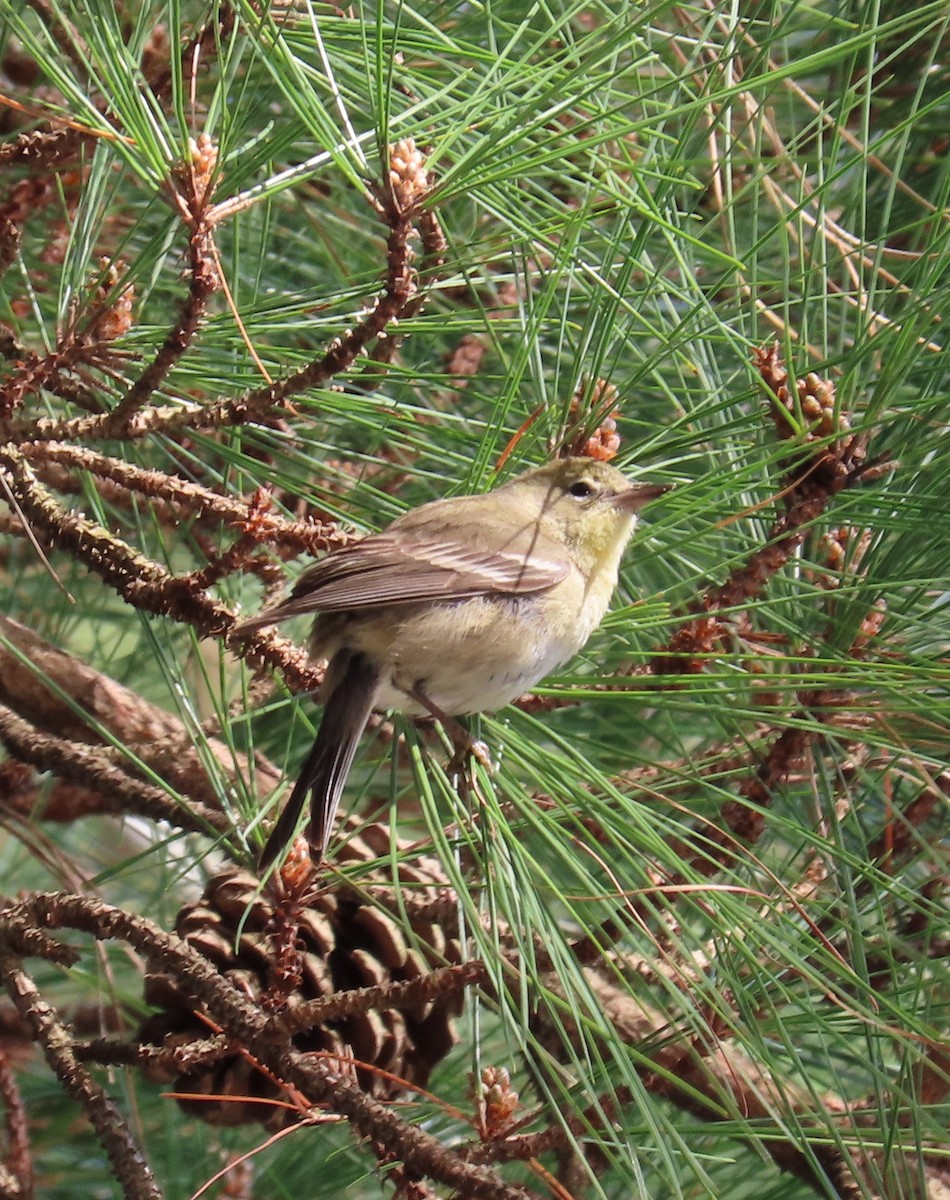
[[581, 489]]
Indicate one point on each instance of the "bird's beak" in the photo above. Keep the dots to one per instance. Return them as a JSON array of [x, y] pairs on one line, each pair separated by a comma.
[[639, 494]]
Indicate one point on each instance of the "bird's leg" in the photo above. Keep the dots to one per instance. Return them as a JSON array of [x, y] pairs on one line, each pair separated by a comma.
[[462, 741]]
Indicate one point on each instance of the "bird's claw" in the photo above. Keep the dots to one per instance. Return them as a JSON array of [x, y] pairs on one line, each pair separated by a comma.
[[467, 750]]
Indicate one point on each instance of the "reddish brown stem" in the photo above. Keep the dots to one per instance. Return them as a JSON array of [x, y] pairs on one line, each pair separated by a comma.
[[143, 583], [398, 288], [203, 280], [18, 1160], [314, 1077], [128, 1163]]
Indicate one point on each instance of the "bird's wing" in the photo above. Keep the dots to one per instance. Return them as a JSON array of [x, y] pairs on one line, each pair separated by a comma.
[[408, 563]]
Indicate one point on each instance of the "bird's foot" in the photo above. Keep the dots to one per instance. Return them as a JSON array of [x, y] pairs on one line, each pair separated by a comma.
[[467, 748]]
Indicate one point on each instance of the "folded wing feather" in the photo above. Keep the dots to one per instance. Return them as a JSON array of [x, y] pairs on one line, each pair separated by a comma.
[[400, 566]]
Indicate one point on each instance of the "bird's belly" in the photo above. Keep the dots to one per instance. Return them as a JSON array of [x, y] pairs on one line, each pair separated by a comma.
[[472, 656]]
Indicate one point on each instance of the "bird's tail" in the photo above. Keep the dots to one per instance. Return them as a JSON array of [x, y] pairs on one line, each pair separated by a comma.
[[351, 685]]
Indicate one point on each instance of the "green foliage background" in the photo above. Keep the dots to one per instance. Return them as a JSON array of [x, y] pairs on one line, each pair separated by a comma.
[[630, 191]]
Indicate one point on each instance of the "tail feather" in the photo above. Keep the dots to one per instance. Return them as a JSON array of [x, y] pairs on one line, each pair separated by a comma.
[[351, 686]]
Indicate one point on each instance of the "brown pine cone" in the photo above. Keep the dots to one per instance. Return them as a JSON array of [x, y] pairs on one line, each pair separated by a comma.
[[346, 938]]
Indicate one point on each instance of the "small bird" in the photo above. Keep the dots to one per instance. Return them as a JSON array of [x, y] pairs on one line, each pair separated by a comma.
[[458, 607]]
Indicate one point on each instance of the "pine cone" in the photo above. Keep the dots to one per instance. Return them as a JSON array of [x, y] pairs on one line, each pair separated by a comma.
[[345, 939]]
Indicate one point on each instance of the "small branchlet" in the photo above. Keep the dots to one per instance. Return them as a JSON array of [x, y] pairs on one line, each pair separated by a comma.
[[41, 150], [405, 186], [827, 458], [408, 178], [434, 247], [496, 1102], [111, 317], [192, 184], [143, 583], [83, 345], [16, 1171], [126, 1159], [592, 422], [24, 198]]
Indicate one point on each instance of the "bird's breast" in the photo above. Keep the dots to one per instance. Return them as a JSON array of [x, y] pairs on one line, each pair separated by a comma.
[[468, 656], [472, 655]]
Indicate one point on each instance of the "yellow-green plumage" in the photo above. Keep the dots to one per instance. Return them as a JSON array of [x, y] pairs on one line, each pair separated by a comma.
[[458, 607]]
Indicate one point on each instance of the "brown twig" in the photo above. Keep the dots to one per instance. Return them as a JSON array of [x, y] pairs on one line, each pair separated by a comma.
[[827, 458], [174, 1058], [195, 182], [188, 498], [434, 247], [23, 199], [398, 201], [520, 1147], [140, 581], [41, 150], [131, 1170], [47, 372], [314, 1077], [93, 769], [18, 1160], [411, 994]]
